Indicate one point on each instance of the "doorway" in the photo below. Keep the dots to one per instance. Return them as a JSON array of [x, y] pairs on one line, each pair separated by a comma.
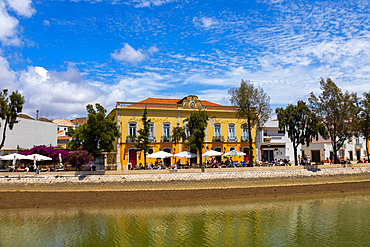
[[315, 156], [218, 158], [350, 155], [132, 157], [167, 161], [358, 154], [246, 157]]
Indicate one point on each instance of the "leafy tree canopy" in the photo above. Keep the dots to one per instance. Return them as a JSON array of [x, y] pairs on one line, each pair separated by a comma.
[[300, 123], [10, 106], [98, 134], [196, 126], [143, 142], [337, 111], [253, 105], [364, 119]]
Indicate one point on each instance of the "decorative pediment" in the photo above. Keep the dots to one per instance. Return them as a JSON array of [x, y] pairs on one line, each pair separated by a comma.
[[190, 102]]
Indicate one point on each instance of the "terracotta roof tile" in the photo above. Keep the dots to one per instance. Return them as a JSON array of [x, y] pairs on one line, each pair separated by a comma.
[[24, 116], [63, 122], [45, 120], [173, 103]]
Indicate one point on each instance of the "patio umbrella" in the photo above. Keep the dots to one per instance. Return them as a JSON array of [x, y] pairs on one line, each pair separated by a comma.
[[13, 157], [159, 155], [60, 160], [37, 157], [185, 154], [234, 153], [211, 153]]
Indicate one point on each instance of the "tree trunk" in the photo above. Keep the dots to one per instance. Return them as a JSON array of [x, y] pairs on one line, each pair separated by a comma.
[[367, 148], [144, 160], [200, 159], [295, 154], [250, 143], [335, 152], [3, 140]]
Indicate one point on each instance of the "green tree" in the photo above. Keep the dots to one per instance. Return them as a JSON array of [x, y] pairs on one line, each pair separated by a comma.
[[143, 142], [178, 134], [364, 120], [301, 124], [9, 109], [98, 134], [337, 111], [253, 105], [196, 126]]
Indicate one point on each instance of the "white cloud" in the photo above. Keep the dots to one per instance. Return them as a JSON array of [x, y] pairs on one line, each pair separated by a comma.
[[205, 22], [8, 27], [128, 54], [7, 76], [46, 23], [149, 3], [22, 7]]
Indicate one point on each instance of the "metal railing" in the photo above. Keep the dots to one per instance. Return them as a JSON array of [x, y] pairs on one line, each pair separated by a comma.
[[218, 139], [166, 139]]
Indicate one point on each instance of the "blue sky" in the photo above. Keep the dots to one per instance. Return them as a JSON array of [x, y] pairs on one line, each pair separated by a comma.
[[62, 55]]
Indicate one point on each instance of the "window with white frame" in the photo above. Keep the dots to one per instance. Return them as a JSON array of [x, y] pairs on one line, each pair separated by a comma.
[[231, 130], [151, 130], [132, 127], [166, 129], [217, 129], [244, 131]]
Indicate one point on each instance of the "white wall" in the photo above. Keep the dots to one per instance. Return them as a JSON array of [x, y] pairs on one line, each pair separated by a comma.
[[28, 133]]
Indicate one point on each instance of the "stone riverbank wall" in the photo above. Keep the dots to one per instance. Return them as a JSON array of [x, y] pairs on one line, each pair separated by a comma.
[[173, 180]]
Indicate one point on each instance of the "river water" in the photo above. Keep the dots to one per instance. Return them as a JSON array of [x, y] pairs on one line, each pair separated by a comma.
[[342, 220]]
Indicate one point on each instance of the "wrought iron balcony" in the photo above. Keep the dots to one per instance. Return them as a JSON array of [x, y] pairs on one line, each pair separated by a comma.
[[152, 139], [244, 139], [232, 139], [358, 145], [218, 139], [131, 139], [166, 139]]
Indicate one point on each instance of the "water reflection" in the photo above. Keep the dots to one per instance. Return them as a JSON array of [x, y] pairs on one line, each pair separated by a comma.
[[320, 221]]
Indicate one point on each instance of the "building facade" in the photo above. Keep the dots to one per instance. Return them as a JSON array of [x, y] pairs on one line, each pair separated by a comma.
[[28, 133], [321, 150], [224, 132], [273, 143]]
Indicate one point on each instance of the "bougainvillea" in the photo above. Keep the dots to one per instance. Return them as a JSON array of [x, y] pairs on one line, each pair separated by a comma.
[[71, 157], [49, 151], [79, 155]]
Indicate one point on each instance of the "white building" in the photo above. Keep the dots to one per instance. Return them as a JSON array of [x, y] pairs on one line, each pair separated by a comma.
[[272, 143], [28, 133], [322, 150]]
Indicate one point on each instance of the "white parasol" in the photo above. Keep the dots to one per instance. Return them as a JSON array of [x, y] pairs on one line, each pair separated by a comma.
[[211, 153], [185, 154], [234, 153], [159, 155]]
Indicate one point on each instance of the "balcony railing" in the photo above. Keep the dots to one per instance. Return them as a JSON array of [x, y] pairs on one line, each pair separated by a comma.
[[166, 139], [358, 145], [131, 139], [244, 139], [152, 139], [218, 139], [232, 139]]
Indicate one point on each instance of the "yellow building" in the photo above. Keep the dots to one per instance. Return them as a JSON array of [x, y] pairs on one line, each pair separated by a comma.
[[224, 132]]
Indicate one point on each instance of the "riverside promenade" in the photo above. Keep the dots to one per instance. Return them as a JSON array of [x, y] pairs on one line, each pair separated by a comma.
[[140, 188], [183, 179]]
